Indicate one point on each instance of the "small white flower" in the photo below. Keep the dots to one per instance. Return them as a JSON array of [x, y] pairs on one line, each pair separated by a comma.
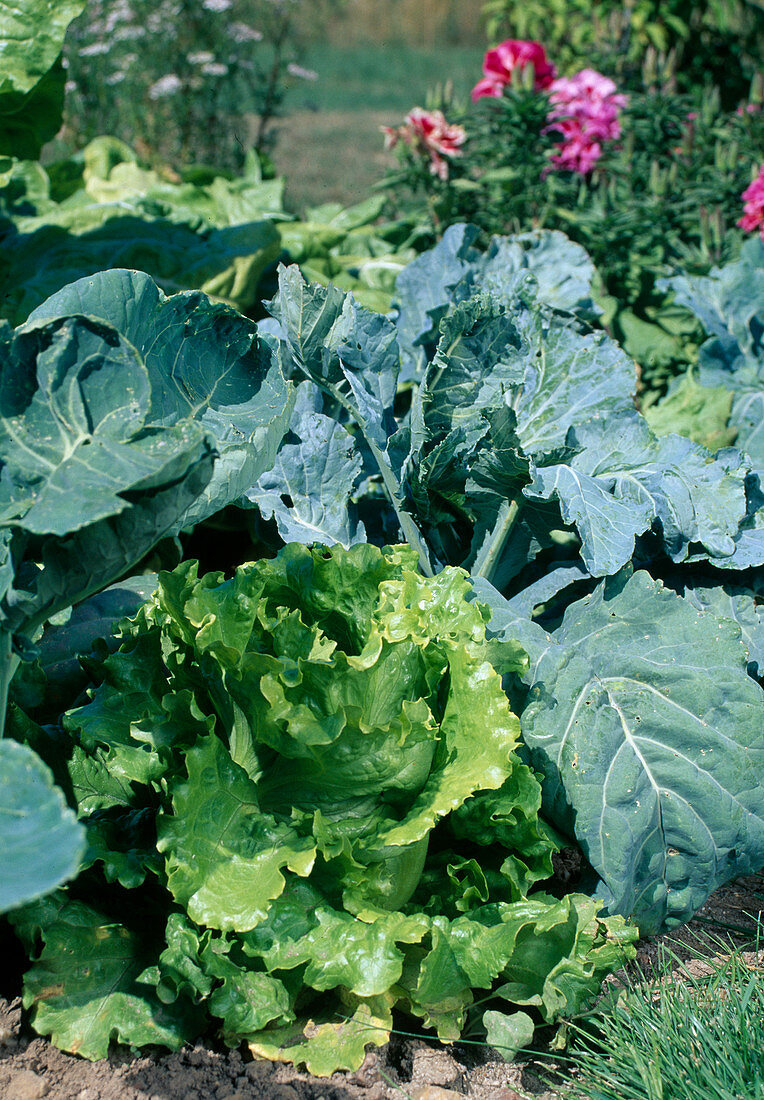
[[115, 78], [129, 34], [70, 86], [166, 85], [121, 13], [215, 68], [217, 5], [200, 57], [162, 20], [300, 73], [242, 32], [95, 49]]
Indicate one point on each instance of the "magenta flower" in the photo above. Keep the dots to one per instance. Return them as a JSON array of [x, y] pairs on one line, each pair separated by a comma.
[[508, 57], [753, 210], [585, 111], [428, 133]]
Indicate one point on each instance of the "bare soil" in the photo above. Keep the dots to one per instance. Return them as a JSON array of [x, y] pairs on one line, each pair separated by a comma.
[[31, 1068]]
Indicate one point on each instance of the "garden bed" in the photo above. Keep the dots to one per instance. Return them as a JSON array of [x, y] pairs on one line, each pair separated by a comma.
[[30, 1067]]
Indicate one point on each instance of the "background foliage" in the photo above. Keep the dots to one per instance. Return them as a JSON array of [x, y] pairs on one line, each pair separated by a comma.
[[184, 80], [666, 195], [718, 42]]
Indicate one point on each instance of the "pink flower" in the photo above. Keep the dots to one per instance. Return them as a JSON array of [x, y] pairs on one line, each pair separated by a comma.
[[428, 133], [508, 57], [753, 211], [584, 109]]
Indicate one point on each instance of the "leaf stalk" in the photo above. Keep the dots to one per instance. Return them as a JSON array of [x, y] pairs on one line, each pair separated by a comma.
[[9, 662], [491, 552]]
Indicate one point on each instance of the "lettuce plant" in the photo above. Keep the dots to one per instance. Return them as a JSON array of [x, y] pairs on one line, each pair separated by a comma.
[[306, 775]]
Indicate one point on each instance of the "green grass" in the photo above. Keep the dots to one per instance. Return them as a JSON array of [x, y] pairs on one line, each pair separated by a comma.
[[672, 1036], [381, 78], [328, 145], [331, 156]]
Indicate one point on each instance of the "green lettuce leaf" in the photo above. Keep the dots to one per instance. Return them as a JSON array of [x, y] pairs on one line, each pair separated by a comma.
[[31, 75], [224, 859], [87, 986], [324, 1046]]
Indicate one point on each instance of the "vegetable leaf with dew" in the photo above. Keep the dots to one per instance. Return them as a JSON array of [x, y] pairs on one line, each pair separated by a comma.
[[644, 721], [309, 490]]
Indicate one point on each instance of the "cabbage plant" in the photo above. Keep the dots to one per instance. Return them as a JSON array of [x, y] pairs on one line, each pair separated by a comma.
[[111, 438], [627, 563]]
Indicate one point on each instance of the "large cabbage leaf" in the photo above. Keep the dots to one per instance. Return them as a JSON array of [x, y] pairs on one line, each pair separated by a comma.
[[112, 399], [647, 727], [42, 840], [90, 481], [204, 362]]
